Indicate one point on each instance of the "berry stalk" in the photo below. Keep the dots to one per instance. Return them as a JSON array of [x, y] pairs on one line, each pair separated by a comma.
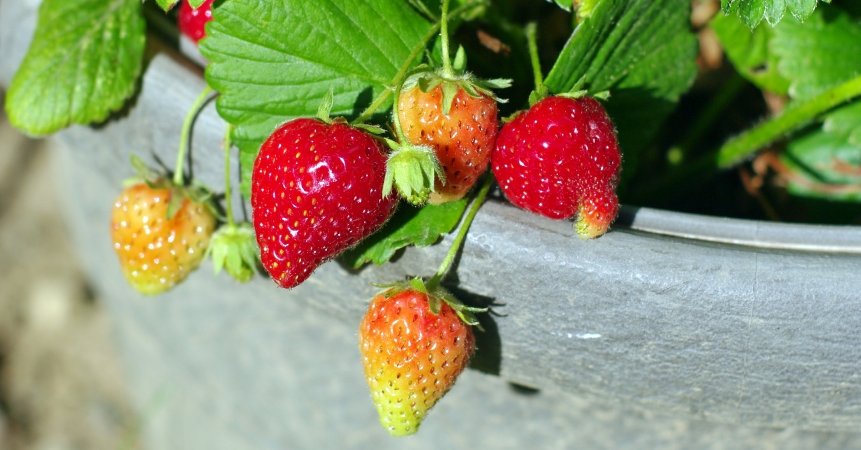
[[448, 71], [228, 186], [538, 76], [461, 234], [199, 102], [404, 70]]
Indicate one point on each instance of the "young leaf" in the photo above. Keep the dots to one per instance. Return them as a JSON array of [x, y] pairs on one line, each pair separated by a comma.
[[83, 64], [751, 12], [750, 53], [409, 226], [275, 60], [643, 52]]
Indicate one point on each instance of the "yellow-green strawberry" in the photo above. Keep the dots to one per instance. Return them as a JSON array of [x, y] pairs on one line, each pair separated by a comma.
[[414, 345], [160, 234]]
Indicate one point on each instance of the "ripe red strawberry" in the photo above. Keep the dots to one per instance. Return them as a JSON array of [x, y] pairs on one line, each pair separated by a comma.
[[316, 190], [411, 356], [157, 251], [561, 158], [462, 139], [192, 22]]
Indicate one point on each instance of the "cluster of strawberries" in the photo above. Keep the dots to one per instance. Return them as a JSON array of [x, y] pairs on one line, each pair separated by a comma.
[[320, 186]]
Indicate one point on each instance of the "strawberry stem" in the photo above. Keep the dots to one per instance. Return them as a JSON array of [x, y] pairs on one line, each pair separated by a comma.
[[404, 70], [402, 138], [228, 188], [444, 268], [447, 70], [532, 39], [185, 135]]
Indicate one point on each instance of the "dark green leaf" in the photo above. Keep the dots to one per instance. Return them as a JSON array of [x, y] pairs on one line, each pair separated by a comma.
[[823, 165], [82, 65], [749, 52], [643, 52], [409, 226], [275, 60]]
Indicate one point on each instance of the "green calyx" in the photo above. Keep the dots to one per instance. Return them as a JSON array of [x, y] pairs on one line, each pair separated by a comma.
[[428, 80], [437, 295], [412, 170], [178, 193], [234, 250]]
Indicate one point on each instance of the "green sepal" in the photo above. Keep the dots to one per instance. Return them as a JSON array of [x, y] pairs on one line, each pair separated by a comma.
[[449, 91], [436, 295], [233, 249], [459, 63], [324, 111], [370, 128], [413, 171]]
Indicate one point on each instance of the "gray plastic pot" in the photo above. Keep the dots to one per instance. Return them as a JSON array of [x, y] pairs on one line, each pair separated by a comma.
[[672, 331]]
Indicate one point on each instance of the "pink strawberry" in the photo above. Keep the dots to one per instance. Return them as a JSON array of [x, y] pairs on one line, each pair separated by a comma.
[[411, 355], [192, 21], [462, 137], [561, 158], [316, 191]]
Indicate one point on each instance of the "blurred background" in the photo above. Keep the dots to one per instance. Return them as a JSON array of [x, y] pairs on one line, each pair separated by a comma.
[[61, 386]]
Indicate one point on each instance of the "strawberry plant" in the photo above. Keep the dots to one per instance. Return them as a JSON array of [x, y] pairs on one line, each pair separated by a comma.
[[747, 108]]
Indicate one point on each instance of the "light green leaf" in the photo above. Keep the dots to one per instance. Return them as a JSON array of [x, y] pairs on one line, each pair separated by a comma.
[[643, 52], [749, 52], [195, 3], [409, 226], [820, 53], [276, 60], [845, 124], [564, 4], [167, 5], [82, 65], [817, 55], [751, 12]]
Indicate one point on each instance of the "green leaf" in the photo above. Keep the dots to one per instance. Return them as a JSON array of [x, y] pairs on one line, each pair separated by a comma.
[[195, 3], [409, 226], [823, 165], [749, 52], [751, 12], [82, 65], [275, 60], [643, 52], [167, 5], [819, 53], [564, 4]]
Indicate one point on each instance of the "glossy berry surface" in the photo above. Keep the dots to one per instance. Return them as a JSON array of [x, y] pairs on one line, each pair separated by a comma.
[[192, 22], [411, 357], [463, 140], [156, 251], [559, 159], [316, 190]]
